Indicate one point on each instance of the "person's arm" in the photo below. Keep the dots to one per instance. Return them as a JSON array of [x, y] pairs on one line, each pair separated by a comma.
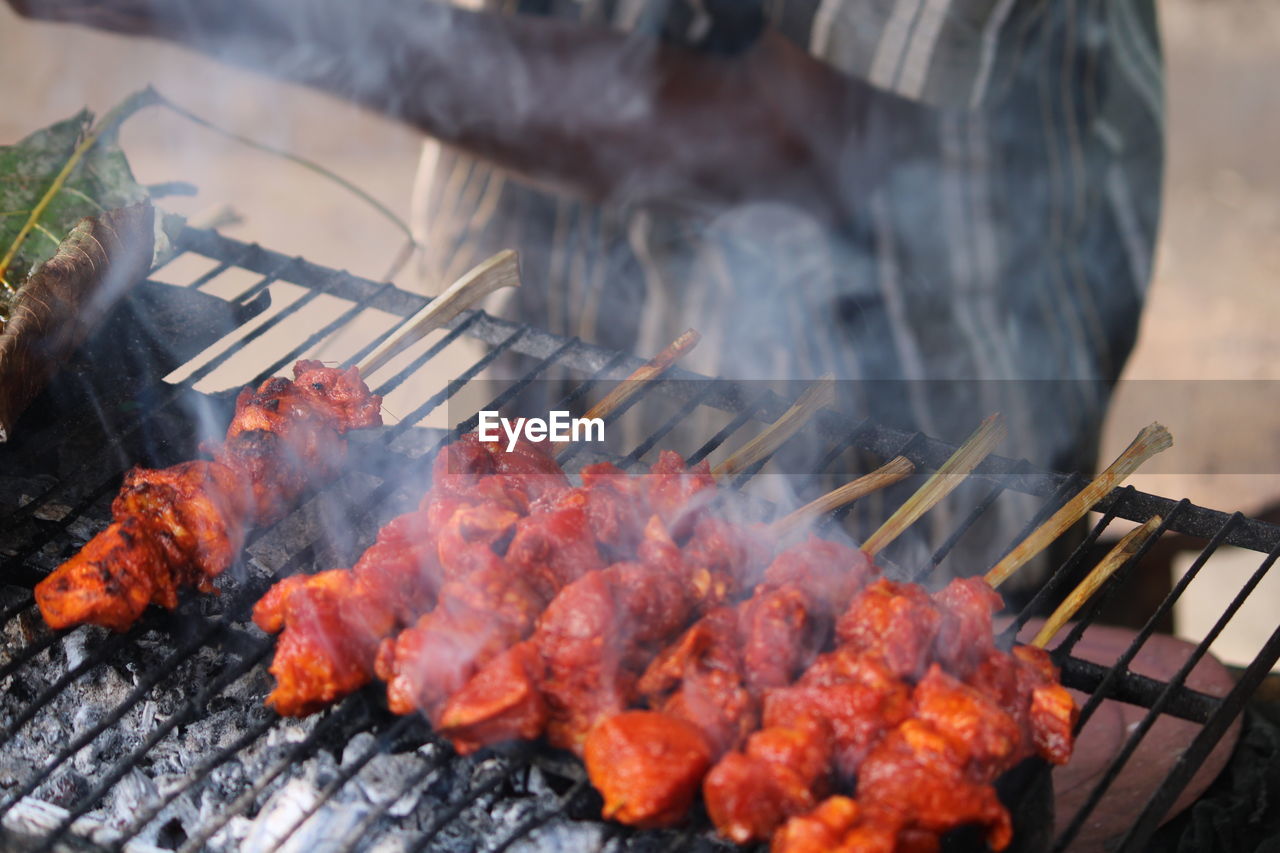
[[589, 110]]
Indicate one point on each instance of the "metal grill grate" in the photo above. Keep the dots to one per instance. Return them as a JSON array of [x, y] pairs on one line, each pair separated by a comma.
[[64, 476]]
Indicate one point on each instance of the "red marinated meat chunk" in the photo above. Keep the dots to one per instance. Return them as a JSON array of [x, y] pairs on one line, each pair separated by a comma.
[[965, 635], [477, 618], [856, 694], [618, 507], [827, 573], [916, 772], [680, 494], [647, 766], [503, 701], [776, 635], [554, 547], [780, 773], [896, 621], [725, 558]]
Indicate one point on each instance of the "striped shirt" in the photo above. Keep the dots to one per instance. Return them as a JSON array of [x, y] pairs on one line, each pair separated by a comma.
[[1011, 249]]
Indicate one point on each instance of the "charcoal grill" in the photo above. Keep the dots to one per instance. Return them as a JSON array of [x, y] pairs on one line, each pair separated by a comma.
[[157, 738]]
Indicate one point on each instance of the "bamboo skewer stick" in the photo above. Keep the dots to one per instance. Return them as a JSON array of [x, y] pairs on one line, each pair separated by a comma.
[[501, 270], [886, 475], [1150, 441], [944, 480], [817, 396], [629, 387], [1116, 557]]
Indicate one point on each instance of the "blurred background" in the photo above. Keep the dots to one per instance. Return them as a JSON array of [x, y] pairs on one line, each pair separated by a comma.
[[1213, 305]]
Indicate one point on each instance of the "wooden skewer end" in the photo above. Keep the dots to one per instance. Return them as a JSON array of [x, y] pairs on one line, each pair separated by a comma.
[[1153, 439], [630, 386], [961, 463], [819, 395], [1123, 551], [499, 271], [891, 472]]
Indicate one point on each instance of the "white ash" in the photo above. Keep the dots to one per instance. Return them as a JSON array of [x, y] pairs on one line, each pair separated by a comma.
[[76, 645], [31, 818], [523, 797], [381, 792], [287, 807], [567, 836]]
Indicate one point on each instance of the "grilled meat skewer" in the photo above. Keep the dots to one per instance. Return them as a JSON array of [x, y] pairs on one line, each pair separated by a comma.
[[184, 525], [892, 640], [554, 552], [332, 622]]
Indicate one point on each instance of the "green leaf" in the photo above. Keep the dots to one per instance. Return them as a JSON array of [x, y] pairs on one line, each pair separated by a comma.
[[100, 181]]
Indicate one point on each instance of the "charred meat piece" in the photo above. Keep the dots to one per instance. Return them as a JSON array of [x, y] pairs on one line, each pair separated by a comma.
[[184, 525]]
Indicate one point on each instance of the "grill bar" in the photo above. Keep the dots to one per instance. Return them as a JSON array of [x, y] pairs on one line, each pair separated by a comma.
[[712, 444], [194, 778], [1057, 583], [383, 741], [28, 653], [645, 389], [451, 813], [875, 438], [1094, 606], [102, 653], [1136, 689], [1126, 657], [352, 841], [1179, 678], [518, 387], [543, 815], [295, 754], [128, 762], [417, 363], [139, 691], [244, 650], [908, 441], [357, 834], [950, 542], [1195, 755], [632, 459]]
